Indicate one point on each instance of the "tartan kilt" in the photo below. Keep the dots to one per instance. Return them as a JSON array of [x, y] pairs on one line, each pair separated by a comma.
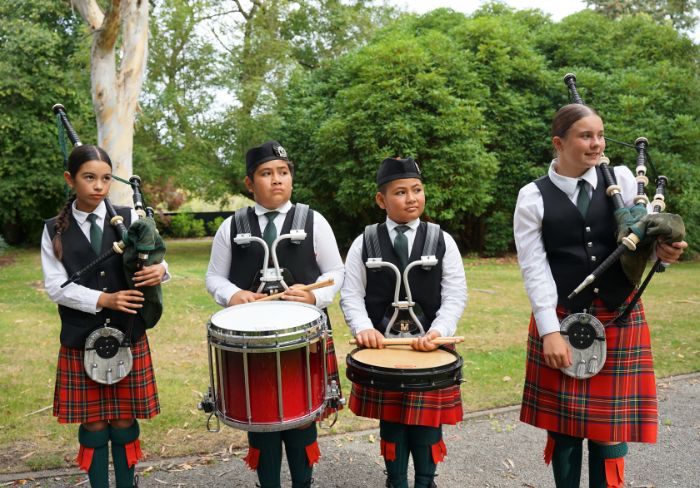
[[332, 369], [78, 399], [616, 405]]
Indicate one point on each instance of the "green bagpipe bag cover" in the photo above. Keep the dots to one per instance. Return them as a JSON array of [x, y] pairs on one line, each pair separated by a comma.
[[143, 237]]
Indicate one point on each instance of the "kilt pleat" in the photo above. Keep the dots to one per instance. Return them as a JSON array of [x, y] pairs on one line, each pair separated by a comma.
[[426, 408], [78, 399], [616, 405]]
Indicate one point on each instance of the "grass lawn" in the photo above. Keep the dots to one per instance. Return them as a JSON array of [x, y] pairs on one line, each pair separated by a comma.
[[494, 323]]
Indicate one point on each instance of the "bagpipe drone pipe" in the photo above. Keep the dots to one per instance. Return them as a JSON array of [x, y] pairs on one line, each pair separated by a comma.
[[638, 229], [140, 245]]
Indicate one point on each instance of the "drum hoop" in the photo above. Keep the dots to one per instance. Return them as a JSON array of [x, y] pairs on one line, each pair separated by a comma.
[[301, 334], [270, 426], [259, 348]]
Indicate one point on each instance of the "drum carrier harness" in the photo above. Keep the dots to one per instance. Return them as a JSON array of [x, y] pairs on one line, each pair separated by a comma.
[[400, 319]]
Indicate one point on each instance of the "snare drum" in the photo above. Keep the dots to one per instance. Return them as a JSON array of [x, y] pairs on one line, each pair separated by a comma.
[[400, 368], [267, 365]]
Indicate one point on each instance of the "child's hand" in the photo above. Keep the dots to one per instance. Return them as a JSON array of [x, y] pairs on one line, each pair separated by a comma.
[[149, 276], [294, 294], [244, 296], [556, 351], [669, 253], [128, 301], [370, 338], [424, 343]]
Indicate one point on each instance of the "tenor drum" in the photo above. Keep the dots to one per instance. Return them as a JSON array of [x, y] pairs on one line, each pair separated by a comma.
[[267, 365], [400, 368]]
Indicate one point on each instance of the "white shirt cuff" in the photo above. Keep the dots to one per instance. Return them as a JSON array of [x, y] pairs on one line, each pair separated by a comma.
[[547, 322]]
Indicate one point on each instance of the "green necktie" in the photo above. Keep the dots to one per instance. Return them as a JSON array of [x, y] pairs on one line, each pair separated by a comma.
[[95, 233], [583, 199], [270, 232], [401, 245]]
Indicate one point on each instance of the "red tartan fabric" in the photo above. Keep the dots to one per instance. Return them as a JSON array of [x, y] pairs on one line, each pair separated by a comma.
[[616, 405], [427, 408], [78, 399]]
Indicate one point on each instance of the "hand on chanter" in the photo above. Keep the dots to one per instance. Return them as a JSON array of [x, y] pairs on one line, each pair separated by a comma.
[[556, 351], [370, 338], [128, 301], [244, 296], [425, 343]]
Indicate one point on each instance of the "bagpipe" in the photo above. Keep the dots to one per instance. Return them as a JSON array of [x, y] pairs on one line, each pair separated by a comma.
[[638, 230], [107, 349]]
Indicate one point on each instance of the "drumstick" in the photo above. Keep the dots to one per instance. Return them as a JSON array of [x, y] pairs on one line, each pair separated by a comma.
[[312, 286], [406, 341]]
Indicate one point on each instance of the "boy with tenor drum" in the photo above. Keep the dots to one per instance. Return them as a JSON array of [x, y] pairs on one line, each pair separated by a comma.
[[410, 421], [563, 227], [71, 240], [233, 278]]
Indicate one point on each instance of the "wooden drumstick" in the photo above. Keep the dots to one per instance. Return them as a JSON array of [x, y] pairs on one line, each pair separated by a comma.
[[406, 341], [312, 286]]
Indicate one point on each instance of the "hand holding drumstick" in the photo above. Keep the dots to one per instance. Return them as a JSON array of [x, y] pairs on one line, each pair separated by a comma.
[[312, 286]]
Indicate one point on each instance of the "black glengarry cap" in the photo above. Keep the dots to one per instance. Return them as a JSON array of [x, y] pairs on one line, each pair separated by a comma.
[[268, 151], [396, 169]]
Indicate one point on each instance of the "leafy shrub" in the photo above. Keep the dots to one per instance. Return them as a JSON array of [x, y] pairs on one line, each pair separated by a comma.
[[214, 225], [184, 225]]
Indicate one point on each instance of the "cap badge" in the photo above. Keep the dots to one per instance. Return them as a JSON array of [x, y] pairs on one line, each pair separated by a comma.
[[279, 151]]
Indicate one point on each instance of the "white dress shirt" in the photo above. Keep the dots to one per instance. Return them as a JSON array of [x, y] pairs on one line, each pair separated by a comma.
[[453, 282], [75, 296], [325, 247], [527, 228]]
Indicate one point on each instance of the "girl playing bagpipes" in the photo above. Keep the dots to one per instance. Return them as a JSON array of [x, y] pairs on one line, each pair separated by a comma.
[[71, 240], [564, 227]]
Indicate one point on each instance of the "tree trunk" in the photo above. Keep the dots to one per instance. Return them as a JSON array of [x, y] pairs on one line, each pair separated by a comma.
[[115, 89]]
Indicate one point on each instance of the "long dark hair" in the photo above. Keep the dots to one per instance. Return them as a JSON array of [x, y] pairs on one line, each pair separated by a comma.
[[568, 115], [78, 156]]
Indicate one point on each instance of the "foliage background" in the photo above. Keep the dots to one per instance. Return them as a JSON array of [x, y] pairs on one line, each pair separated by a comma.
[[343, 85]]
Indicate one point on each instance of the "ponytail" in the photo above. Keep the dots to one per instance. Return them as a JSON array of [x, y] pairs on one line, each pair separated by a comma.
[[62, 223]]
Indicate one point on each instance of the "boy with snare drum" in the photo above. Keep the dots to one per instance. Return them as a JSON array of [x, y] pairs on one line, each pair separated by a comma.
[[410, 421], [233, 278]]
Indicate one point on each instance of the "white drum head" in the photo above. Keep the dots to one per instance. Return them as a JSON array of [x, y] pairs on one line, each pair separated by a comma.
[[265, 316]]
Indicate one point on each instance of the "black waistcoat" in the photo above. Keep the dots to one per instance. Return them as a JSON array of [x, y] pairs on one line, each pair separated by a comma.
[[426, 286], [299, 259], [576, 245], [107, 276]]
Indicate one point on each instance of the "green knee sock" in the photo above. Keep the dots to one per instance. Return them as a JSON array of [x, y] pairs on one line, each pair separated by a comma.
[[98, 470], [597, 454], [397, 435], [270, 446], [124, 473], [295, 443], [420, 441], [566, 460]]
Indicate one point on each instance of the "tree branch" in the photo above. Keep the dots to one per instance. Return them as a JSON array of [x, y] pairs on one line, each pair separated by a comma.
[[90, 12]]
